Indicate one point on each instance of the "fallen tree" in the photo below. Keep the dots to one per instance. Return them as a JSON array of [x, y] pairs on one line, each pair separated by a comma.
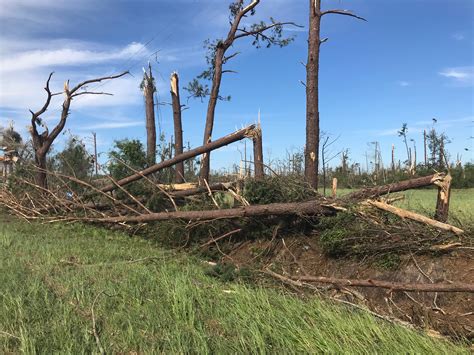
[[392, 286], [415, 216], [274, 209], [377, 191], [218, 143]]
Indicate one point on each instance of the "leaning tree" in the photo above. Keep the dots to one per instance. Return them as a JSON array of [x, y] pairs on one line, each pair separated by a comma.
[[42, 141], [312, 93], [267, 34]]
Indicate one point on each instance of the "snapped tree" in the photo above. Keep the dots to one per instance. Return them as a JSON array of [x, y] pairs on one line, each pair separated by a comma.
[[262, 33], [178, 127], [42, 141], [312, 90], [148, 87]]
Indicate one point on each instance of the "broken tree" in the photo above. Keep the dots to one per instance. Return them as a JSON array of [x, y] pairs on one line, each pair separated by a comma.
[[42, 141], [178, 127], [217, 57], [233, 137], [312, 88], [149, 88]]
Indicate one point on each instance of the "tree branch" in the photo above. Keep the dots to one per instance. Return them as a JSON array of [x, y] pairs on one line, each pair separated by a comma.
[[342, 12], [97, 80], [92, 93], [260, 31]]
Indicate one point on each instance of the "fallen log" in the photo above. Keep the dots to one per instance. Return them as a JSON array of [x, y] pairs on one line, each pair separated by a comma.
[[218, 143], [204, 189], [275, 209], [415, 216], [395, 187], [392, 286]]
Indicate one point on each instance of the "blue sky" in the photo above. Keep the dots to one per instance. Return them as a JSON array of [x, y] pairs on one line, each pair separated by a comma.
[[412, 61]]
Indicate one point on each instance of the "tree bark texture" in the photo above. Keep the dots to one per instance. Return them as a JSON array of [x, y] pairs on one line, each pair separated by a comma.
[[312, 95], [274, 209], [178, 127], [149, 91], [258, 153], [394, 187], [442, 201]]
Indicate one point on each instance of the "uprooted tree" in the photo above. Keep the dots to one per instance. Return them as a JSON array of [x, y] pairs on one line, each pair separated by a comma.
[[312, 90], [42, 141], [263, 33]]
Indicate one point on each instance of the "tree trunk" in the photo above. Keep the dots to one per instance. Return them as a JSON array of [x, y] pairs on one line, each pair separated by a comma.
[[233, 137], [258, 153], [395, 187], [442, 202], [211, 110], [178, 128], [273, 209], [312, 95], [41, 175], [150, 118]]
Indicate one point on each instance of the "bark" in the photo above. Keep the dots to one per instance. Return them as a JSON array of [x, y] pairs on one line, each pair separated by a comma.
[[312, 95], [211, 109], [392, 286], [334, 187], [395, 187], [149, 91], [236, 136], [258, 154], [41, 175], [178, 128], [442, 202], [274, 209], [416, 217]]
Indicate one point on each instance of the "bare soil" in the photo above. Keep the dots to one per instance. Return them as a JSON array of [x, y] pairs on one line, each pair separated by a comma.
[[448, 314]]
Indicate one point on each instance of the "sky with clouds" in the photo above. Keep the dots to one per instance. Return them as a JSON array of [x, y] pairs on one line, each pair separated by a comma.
[[411, 62]]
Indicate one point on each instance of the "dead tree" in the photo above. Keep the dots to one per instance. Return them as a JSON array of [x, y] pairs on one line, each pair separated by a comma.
[[178, 126], [258, 153], [42, 141], [233, 137], [217, 57], [312, 90], [442, 201], [149, 88]]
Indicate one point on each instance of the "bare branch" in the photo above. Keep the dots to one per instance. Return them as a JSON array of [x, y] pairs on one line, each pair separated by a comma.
[[342, 12], [92, 93], [97, 80], [229, 71]]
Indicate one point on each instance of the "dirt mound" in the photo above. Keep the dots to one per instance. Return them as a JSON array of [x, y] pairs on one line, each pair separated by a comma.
[[450, 314]]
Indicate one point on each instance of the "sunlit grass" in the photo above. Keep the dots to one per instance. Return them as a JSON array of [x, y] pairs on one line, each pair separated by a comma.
[[152, 300]]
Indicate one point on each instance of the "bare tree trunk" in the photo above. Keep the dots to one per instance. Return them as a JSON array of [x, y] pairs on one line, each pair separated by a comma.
[[312, 95], [41, 176], [178, 128], [395, 187], [442, 202], [211, 110], [149, 90], [424, 146], [258, 153]]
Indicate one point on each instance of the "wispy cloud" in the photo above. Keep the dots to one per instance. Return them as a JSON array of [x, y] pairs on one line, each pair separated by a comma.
[[460, 75], [458, 36], [403, 83], [114, 125]]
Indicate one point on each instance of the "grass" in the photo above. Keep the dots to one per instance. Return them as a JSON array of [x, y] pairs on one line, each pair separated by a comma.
[[149, 300]]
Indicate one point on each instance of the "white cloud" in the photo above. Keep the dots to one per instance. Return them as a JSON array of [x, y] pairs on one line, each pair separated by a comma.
[[66, 57], [403, 83], [458, 36], [460, 75], [115, 124]]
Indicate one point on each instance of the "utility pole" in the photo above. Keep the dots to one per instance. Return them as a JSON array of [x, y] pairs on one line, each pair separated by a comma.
[[96, 163]]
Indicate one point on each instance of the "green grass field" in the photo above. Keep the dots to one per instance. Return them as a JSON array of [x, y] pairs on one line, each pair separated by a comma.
[[57, 280]]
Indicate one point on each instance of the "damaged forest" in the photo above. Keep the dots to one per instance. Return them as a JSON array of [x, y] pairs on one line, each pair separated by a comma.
[[154, 250]]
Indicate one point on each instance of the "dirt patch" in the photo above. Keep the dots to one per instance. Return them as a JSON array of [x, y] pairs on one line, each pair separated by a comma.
[[450, 314]]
